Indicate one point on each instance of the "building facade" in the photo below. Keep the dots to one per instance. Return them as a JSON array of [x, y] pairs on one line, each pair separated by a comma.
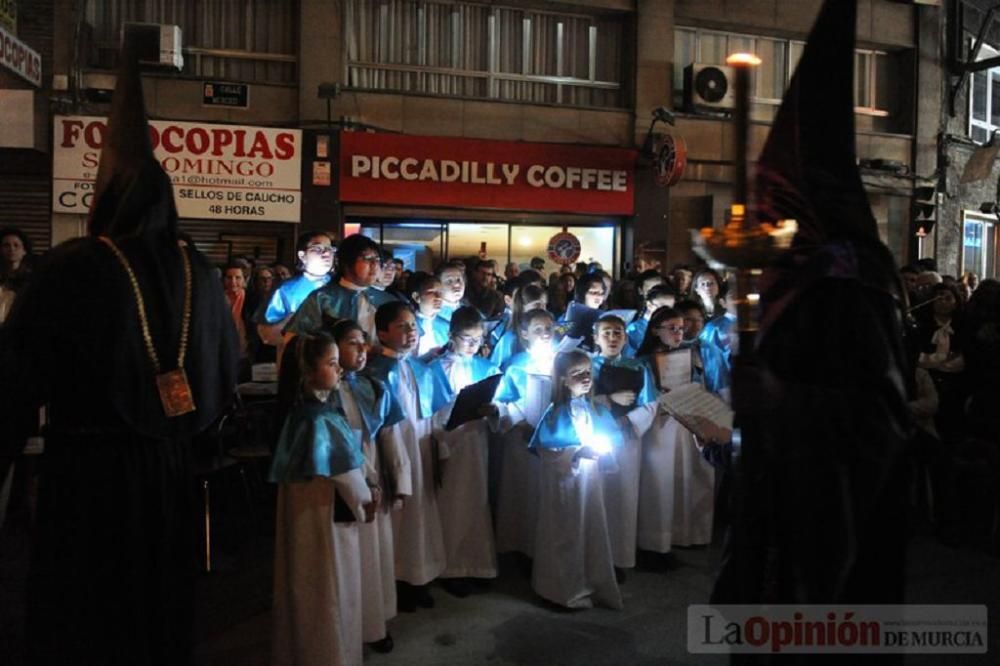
[[487, 84]]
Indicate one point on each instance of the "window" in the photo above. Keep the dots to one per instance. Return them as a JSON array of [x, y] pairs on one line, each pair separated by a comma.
[[779, 58], [984, 100], [979, 245], [235, 40], [485, 51], [596, 244]]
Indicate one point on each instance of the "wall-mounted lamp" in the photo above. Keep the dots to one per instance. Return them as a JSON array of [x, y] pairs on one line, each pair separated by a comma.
[[661, 114], [328, 91]]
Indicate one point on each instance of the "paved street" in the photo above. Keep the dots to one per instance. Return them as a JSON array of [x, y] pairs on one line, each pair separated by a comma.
[[508, 625]]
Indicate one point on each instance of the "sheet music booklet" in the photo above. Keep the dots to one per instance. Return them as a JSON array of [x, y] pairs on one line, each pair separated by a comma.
[[693, 399], [674, 368]]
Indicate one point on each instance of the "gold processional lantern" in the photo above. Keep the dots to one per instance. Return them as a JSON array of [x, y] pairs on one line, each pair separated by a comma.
[[745, 244]]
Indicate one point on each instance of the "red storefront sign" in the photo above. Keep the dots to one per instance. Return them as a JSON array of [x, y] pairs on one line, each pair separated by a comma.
[[480, 173]]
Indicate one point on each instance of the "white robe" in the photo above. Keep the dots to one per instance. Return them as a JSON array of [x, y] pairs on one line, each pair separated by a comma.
[[416, 528], [676, 489], [621, 490], [378, 586], [573, 563], [520, 470], [317, 573], [463, 499]]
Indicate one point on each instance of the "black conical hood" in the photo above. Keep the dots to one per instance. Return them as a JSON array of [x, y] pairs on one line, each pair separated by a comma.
[[807, 170], [133, 196]]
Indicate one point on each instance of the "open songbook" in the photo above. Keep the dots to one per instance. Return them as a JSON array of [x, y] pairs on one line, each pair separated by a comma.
[[693, 400], [470, 399]]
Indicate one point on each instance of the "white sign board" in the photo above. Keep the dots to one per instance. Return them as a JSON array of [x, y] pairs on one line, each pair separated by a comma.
[[219, 172], [20, 58]]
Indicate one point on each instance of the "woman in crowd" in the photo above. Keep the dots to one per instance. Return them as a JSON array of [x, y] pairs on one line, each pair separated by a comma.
[[709, 288], [234, 285], [15, 258], [15, 266], [940, 337]]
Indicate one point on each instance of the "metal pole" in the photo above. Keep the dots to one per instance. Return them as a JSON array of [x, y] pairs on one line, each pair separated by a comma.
[[741, 122]]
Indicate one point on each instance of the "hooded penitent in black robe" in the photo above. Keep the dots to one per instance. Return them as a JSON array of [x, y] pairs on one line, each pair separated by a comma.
[[818, 510], [114, 558]]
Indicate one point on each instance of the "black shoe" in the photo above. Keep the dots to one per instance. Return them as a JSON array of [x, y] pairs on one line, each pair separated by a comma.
[[422, 596], [383, 646], [619, 575], [457, 587], [406, 600]]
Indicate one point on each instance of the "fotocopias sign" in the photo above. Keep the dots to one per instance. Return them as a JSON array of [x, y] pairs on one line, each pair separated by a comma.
[[481, 173], [225, 172]]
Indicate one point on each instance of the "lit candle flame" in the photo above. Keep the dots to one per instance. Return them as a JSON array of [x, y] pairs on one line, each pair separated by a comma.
[[600, 444]]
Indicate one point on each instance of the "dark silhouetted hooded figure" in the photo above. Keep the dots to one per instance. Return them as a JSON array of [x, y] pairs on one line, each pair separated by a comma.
[[819, 507], [114, 559]]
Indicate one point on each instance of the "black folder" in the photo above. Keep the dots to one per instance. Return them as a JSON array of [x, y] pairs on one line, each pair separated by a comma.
[[470, 399], [615, 378]]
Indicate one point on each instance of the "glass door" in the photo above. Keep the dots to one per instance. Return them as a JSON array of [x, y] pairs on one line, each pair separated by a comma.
[[420, 243]]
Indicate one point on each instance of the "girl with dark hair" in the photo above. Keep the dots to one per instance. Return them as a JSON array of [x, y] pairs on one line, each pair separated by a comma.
[[322, 499], [561, 294], [657, 296], [368, 406], [463, 499], [528, 297], [576, 440], [676, 489]]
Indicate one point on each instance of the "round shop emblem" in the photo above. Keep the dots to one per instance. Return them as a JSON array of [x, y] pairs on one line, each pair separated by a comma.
[[564, 248], [671, 159]]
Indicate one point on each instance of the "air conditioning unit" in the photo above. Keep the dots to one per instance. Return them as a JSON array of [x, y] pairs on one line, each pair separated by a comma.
[[709, 87], [159, 44]]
